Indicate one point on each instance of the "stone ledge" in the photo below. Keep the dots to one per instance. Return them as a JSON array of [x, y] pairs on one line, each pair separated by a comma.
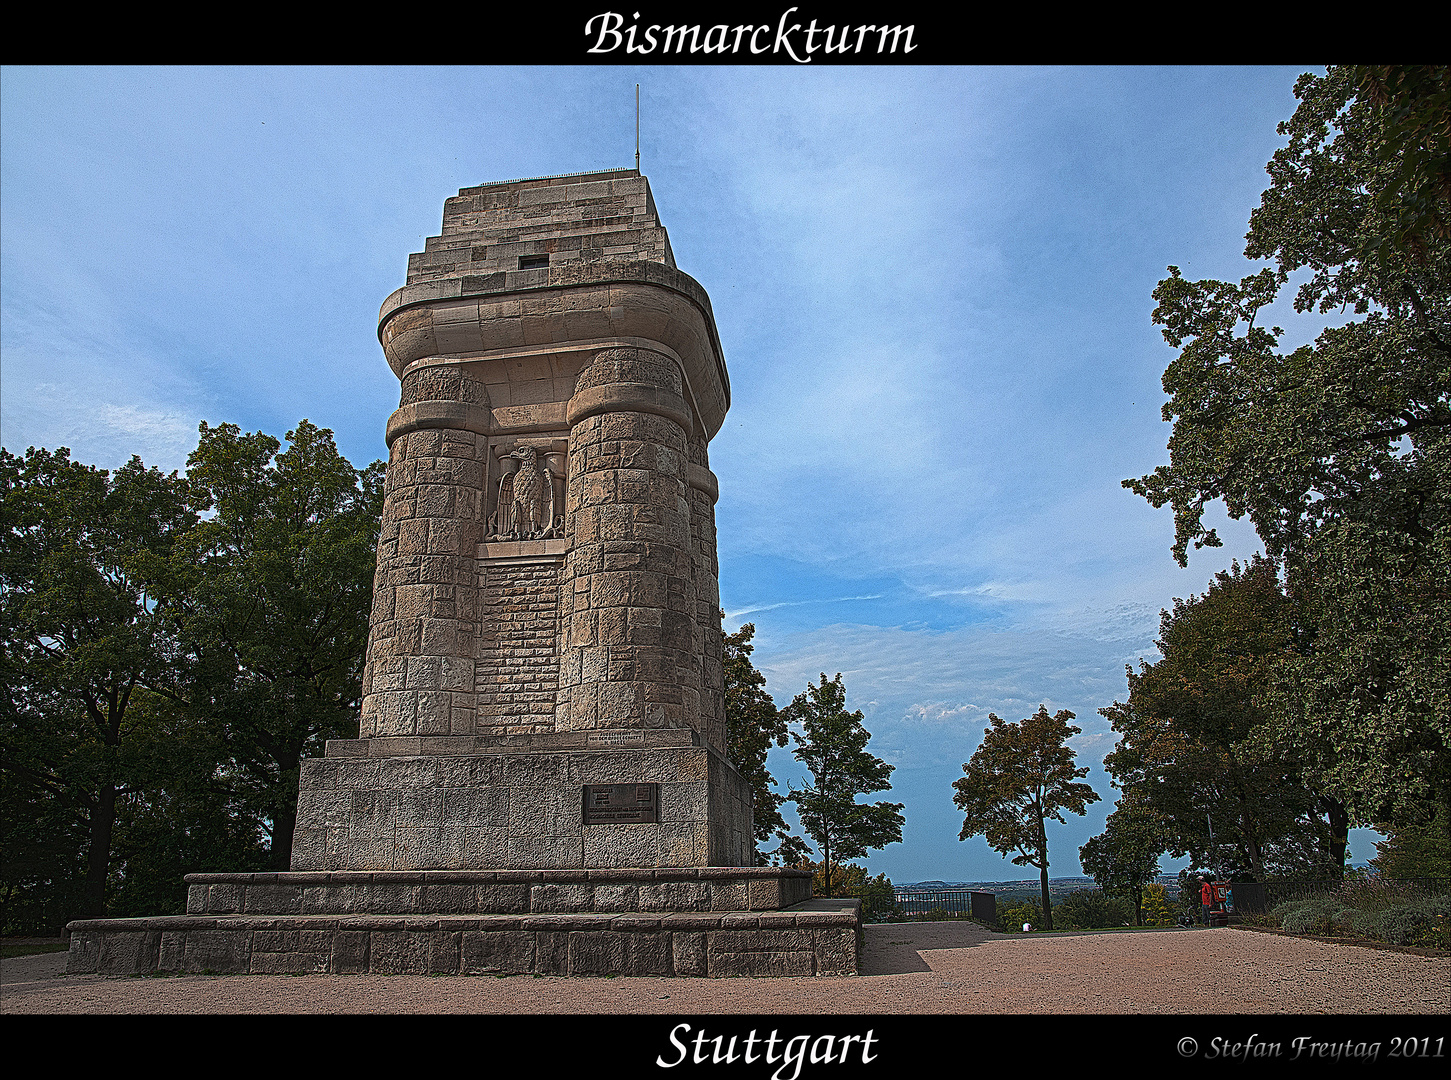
[[391, 746], [818, 938], [758, 890]]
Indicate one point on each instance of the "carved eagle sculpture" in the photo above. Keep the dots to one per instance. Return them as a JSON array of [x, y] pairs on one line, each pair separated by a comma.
[[532, 497]]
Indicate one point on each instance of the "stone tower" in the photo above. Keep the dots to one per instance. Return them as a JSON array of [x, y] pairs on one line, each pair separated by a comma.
[[546, 622], [540, 781]]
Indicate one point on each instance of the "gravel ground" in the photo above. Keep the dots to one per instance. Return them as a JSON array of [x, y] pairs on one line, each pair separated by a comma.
[[907, 969]]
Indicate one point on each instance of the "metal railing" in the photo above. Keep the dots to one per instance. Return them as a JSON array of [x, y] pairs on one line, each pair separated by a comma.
[[970, 902]]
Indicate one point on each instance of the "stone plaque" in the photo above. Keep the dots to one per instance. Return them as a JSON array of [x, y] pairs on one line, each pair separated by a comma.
[[619, 804]]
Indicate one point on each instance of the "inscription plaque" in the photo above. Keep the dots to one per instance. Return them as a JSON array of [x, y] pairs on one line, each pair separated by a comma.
[[621, 804]]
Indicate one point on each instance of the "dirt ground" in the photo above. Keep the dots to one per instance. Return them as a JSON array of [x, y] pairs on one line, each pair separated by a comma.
[[907, 969]]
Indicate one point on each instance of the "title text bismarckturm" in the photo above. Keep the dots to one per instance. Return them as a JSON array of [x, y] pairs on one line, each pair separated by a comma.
[[796, 40]]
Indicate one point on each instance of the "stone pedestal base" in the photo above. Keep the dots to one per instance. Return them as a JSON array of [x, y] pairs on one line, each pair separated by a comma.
[[664, 922], [515, 802]]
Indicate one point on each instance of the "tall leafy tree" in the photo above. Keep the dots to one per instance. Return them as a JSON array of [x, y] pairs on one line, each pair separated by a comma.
[[753, 725], [88, 660], [1189, 747], [1022, 775], [833, 747], [1338, 451], [1125, 856], [273, 592]]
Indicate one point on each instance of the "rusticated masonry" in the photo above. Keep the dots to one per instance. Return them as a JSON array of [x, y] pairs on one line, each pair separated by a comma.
[[419, 675], [518, 668], [540, 783], [629, 657], [706, 570], [546, 621]]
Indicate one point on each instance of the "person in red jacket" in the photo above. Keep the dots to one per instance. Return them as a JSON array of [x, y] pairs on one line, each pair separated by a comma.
[[1206, 899]]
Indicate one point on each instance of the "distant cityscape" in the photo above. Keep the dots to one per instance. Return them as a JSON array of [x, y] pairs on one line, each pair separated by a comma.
[[1028, 887]]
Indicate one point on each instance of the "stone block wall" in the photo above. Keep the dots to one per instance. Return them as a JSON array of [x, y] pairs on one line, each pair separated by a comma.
[[517, 675], [569, 219], [419, 675], [520, 809]]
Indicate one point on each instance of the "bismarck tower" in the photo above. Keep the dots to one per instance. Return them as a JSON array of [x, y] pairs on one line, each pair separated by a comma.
[[540, 781], [546, 615]]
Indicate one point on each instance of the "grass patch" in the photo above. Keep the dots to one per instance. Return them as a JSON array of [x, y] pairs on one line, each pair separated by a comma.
[[11, 949]]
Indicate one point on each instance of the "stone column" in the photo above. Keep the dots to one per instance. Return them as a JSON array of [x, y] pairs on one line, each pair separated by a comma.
[[704, 491], [627, 592], [419, 675]]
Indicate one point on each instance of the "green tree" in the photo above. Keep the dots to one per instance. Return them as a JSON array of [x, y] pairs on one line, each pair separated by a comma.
[[273, 593], [1338, 451], [88, 662], [832, 746], [1125, 856], [1022, 775], [753, 724], [1189, 754], [1157, 911], [1417, 848]]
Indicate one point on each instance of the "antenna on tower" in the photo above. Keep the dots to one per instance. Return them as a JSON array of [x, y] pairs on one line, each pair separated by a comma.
[[637, 129]]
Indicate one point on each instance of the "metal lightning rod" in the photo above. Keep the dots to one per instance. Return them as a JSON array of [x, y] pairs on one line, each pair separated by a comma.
[[637, 129]]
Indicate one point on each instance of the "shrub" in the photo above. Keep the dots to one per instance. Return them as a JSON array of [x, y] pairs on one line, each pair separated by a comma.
[[1156, 909], [1314, 916], [1089, 909], [1425, 922], [1014, 915]]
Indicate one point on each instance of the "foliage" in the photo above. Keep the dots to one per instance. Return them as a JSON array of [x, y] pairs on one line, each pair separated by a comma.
[[1187, 758], [877, 894], [878, 897], [753, 724], [273, 593], [87, 664], [1020, 776], [1014, 915], [1375, 909], [1419, 847], [791, 851], [162, 671], [1091, 909], [1338, 451], [832, 746], [1125, 856], [1156, 909]]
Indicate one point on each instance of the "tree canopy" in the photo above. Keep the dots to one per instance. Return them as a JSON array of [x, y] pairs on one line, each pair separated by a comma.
[[87, 663], [832, 745], [1190, 751], [272, 594], [1022, 775], [753, 725], [170, 647], [1339, 451], [1125, 856]]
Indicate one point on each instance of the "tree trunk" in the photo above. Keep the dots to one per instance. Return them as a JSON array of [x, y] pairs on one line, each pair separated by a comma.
[[1047, 903], [284, 813], [98, 855], [284, 821], [1339, 834]]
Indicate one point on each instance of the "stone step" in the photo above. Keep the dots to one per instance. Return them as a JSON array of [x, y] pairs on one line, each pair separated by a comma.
[[819, 937], [498, 892]]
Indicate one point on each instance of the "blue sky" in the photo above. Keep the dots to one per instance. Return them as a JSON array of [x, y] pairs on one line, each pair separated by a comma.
[[932, 286]]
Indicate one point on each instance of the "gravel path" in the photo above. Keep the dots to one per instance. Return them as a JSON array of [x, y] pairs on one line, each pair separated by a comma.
[[907, 969]]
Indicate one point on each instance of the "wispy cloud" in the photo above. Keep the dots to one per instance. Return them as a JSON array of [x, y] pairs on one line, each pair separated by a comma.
[[735, 616]]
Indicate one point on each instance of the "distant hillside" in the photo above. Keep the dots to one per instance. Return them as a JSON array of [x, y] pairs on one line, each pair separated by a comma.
[[1027, 889]]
